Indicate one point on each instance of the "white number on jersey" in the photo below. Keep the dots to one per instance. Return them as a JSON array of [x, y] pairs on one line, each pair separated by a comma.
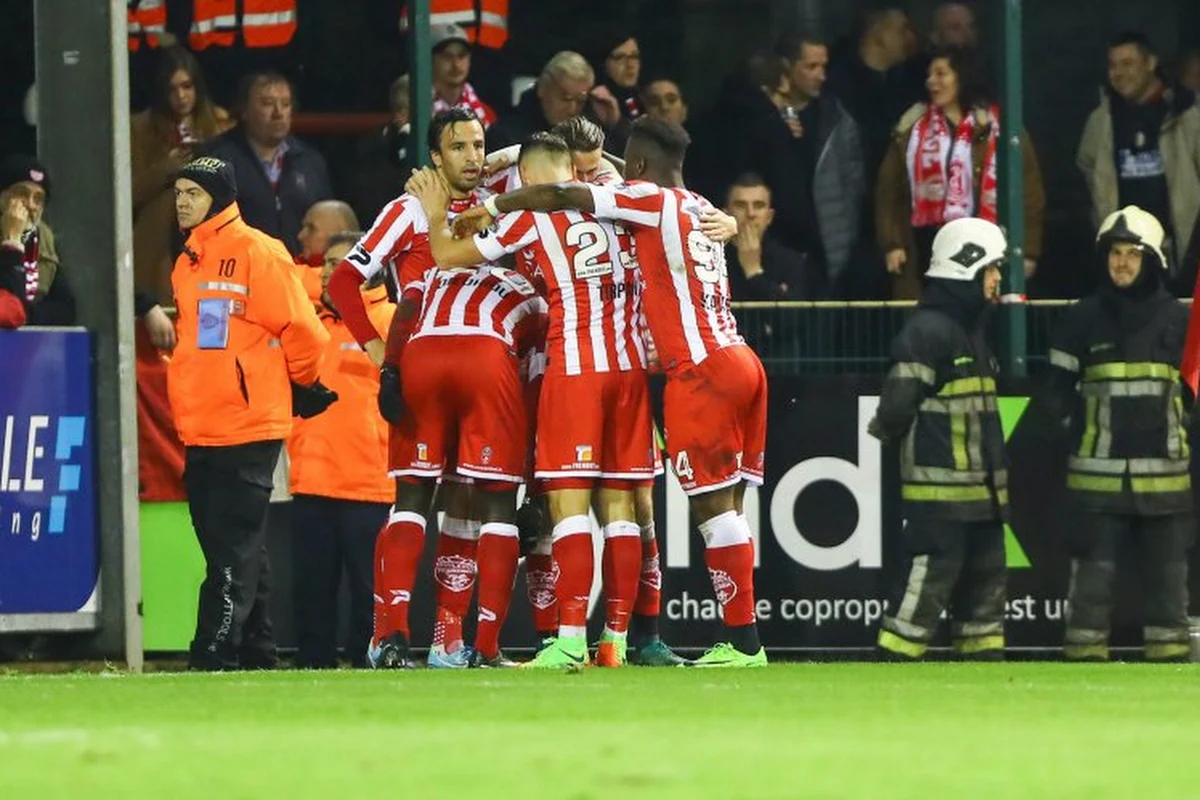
[[683, 466], [709, 257], [592, 259]]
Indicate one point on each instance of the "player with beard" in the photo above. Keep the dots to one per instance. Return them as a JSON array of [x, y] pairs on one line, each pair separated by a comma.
[[399, 241]]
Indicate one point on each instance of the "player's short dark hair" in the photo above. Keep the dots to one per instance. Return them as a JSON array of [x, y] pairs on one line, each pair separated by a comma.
[[447, 119], [580, 133], [670, 139], [343, 238], [1136, 38], [791, 45], [542, 143]]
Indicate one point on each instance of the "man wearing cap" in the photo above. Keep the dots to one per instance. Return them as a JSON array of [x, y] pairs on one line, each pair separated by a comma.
[[247, 357], [47, 296], [939, 405], [1114, 394], [451, 66]]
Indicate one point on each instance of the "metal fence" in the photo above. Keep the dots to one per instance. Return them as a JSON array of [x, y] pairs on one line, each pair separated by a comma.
[[823, 338]]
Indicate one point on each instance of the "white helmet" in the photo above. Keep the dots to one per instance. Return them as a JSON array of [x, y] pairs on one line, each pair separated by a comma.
[[962, 248], [1132, 224]]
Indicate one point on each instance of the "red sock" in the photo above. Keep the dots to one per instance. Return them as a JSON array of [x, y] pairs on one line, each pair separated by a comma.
[[540, 577], [575, 561], [454, 579], [649, 592], [499, 550], [621, 565], [729, 554], [397, 553]]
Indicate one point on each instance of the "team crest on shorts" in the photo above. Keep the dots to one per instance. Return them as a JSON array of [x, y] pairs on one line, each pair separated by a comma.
[[486, 454], [454, 572], [422, 451], [583, 454], [724, 586]]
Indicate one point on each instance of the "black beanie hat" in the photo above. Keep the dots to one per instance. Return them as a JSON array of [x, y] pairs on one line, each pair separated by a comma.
[[215, 177], [17, 168]]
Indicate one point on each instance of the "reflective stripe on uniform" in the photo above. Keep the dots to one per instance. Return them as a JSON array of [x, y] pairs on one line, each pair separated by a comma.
[[947, 475], [1088, 651], [1122, 370], [222, 286], [1104, 428], [1134, 466], [973, 385], [1088, 443], [913, 369], [974, 441], [1157, 633], [1161, 485], [958, 440], [978, 644], [973, 404], [1161, 652], [1094, 483], [967, 630], [912, 591], [1086, 636], [1063, 360], [951, 494], [1138, 388], [892, 642]]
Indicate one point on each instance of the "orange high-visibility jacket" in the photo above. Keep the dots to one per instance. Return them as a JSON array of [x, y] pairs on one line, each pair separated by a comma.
[[343, 453], [490, 29], [245, 330], [147, 19], [264, 23]]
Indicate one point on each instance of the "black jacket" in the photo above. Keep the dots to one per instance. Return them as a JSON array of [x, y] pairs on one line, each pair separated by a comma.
[[276, 212], [786, 275], [939, 404], [515, 126], [1114, 391]]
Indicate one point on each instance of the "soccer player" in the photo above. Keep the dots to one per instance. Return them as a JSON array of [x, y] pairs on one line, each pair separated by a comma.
[[595, 429], [716, 394], [399, 241]]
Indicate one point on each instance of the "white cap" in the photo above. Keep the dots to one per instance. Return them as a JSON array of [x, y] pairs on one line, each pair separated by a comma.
[[964, 247], [1132, 224], [446, 33]]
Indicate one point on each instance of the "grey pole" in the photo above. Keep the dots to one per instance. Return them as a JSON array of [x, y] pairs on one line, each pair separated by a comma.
[[420, 84], [82, 74]]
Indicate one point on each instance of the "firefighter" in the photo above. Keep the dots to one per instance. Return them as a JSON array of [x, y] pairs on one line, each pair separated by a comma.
[[1114, 391], [939, 405], [247, 357]]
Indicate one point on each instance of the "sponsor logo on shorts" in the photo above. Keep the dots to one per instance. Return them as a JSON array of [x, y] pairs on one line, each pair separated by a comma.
[[454, 572], [724, 586], [583, 454], [422, 451], [541, 585]]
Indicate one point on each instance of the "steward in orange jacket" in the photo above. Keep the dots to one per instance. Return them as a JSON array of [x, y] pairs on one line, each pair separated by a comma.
[[340, 485], [248, 356]]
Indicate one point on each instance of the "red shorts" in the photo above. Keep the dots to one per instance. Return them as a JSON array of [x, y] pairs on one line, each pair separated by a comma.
[[716, 420], [464, 411], [596, 426]]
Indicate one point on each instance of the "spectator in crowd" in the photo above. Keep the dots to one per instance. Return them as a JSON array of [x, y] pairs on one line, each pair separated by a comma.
[[1189, 71], [1141, 146], [339, 483], [941, 166], [867, 82], [324, 219], [451, 67], [15, 224], [383, 163], [161, 140], [615, 99], [663, 98], [816, 173], [232, 403], [760, 267], [954, 26], [561, 92], [47, 293], [278, 175]]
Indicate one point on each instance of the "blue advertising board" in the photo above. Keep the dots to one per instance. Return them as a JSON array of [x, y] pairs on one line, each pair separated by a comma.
[[49, 545]]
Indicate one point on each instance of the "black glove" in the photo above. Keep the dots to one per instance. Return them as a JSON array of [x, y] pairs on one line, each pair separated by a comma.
[[391, 404], [308, 401], [530, 521]]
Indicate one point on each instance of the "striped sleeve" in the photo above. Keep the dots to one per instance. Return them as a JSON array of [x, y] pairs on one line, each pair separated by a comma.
[[638, 204], [394, 231], [514, 233]]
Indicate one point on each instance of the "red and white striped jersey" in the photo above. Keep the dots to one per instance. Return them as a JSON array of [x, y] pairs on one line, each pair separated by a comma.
[[591, 282], [479, 301], [399, 239], [686, 285]]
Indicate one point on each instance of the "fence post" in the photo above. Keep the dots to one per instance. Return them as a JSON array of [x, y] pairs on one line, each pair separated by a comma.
[[420, 60], [1012, 185]]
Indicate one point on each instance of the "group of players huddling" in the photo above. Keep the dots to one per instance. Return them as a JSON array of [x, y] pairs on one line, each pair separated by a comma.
[[488, 367]]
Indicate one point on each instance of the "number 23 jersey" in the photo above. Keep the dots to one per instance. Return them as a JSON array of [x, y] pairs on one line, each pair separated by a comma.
[[592, 287]]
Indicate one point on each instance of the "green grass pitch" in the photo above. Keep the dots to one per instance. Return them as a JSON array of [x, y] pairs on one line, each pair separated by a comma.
[[797, 731]]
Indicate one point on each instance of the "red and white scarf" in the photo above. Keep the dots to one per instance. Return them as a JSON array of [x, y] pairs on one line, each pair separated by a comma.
[[32, 254], [940, 169], [468, 100]]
